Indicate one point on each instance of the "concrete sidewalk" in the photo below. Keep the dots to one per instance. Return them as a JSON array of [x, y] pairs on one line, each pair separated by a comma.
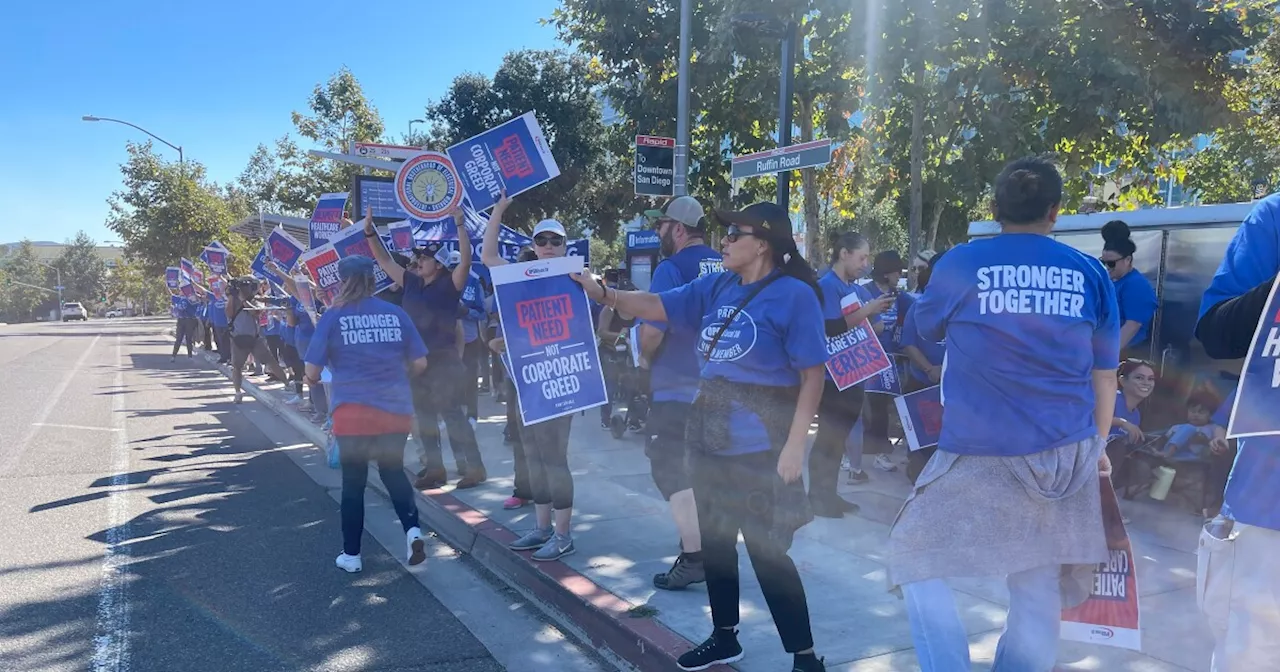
[[624, 535]]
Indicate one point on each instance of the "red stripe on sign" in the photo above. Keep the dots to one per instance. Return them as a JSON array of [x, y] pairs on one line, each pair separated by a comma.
[[781, 150], [654, 141]]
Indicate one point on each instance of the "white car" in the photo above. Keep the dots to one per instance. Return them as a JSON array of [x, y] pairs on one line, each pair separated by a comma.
[[115, 312], [74, 311]]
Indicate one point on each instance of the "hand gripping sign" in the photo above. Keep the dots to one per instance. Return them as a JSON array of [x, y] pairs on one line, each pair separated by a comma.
[[855, 355], [550, 338]]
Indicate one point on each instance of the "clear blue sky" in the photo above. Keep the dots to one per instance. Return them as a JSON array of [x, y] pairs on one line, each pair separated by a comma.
[[215, 78]]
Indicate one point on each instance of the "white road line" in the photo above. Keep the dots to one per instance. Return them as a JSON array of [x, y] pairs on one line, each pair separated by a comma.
[[62, 426], [111, 641], [9, 461]]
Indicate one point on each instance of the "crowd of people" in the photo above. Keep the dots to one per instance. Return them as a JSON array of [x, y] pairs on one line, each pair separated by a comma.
[[1027, 338]]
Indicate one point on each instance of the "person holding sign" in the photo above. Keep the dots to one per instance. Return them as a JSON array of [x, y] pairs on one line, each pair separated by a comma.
[[545, 444], [372, 350], [431, 296], [763, 351], [1237, 569], [184, 309], [838, 412], [1032, 332], [246, 339]]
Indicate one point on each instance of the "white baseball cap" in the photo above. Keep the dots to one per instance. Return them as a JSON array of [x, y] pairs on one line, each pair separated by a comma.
[[549, 226]]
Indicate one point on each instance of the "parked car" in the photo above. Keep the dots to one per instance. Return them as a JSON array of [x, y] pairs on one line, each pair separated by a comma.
[[115, 312], [74, 311]]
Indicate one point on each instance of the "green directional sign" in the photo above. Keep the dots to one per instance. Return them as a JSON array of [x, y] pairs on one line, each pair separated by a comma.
[[795, 157]]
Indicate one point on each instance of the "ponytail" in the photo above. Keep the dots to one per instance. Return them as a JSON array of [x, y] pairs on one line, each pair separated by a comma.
[[792, 264], [845, 240]]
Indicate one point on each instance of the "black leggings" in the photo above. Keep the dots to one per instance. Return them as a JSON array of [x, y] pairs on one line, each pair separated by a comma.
[[472, 354], [289, 357], [185, 332], [546, 453], [837, 413], [737, 493], [875, 424]]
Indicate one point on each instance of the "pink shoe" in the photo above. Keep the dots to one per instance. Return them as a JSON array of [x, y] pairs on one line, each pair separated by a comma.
[[514, 503]]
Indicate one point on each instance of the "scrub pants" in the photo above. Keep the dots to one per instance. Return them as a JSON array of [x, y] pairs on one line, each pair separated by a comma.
[[1029, 642], [837, 413], [1238, 590], [355, 453]]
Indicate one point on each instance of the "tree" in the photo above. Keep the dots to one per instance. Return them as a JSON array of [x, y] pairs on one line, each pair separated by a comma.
[[593, 189], [166, 210], [84, 275], [143, 291], [22, 267]]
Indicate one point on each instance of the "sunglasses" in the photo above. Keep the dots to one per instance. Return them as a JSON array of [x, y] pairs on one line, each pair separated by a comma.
[[1111, 263], [733, 233], [553, 241]]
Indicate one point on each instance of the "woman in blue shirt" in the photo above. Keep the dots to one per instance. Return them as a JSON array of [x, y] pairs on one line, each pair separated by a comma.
[[924, 362], [762, 349], [838, 412], [1134, 295], [372, 349], [1028, 391]]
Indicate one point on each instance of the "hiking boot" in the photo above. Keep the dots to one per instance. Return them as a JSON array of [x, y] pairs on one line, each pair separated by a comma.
[[721, 647], [474, 476], [681, 575], [429, 479]]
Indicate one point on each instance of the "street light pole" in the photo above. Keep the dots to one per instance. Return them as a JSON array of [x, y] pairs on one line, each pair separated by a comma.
[[89, 117], [411, 123], [681, 185], [59, 287], [785, 107]]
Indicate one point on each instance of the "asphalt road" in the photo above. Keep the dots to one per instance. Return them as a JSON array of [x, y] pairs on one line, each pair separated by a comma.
[[151, 525]]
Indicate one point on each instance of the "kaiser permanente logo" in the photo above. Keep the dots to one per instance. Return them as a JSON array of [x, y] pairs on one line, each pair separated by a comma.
[[535, 271]]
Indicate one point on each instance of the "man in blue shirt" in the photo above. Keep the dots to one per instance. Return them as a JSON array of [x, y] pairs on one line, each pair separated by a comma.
[[432, 293], [674, 366], [1237, 567]]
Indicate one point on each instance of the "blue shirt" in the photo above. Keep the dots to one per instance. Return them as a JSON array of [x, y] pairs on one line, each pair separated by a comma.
[[1123, 413], [1252, 258], [218, 313], [305, 329], [473, 301], [183, 307], [778, 333], [367, 347], [834, 290], [934, 351], [1027, 320], [1137, 302], [674, 369], [889, 318], [433, 309]]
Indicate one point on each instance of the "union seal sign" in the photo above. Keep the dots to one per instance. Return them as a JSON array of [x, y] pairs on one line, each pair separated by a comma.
[[427, 186]]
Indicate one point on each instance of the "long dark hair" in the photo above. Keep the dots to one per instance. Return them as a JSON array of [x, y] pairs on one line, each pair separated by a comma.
[[786, 257], [845, 240]]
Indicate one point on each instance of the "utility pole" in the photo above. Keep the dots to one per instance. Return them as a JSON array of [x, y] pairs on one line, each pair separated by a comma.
[[681, 182]]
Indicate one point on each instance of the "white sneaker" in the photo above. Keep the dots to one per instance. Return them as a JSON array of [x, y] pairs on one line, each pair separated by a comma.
[[349, 563], [883, 463], [417, 547], [294, 400]]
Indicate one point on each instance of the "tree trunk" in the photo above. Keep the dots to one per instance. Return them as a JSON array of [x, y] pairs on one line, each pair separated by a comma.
[[915, 214], [932, 244], [809, 184]]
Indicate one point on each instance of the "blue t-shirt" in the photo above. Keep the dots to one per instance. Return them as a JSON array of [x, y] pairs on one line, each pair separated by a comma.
[[1137, 302], [934, 351], [305, 329], [1123, 413], [674, 369], [834, 290], [1252, 258], [275, 326], [433, 309], [367, 347], [889, 318], [777, 334], [473, 301], [218, 313], [184, 307], [1027, 320]]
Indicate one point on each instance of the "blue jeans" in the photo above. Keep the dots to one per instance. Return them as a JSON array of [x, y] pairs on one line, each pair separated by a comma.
[[355, 453], [1029, 642]]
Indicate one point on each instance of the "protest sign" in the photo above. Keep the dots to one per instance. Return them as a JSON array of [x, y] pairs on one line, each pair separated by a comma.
[[188, 268], [215, 258], [218, 287], [887, 381], [197, 277], [305, 296], [427, 186], [283, 249], [513, 156], [259, 266], [172, 275], [921, 415], [326, 219], [351, 242], [187, 290], [855, 355], [1254, 412], [550, 338], [322, 264], [401, 236], [1109, 615]]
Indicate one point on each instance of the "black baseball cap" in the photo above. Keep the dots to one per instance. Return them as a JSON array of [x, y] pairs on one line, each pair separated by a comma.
[[767, 220], [888, 261]]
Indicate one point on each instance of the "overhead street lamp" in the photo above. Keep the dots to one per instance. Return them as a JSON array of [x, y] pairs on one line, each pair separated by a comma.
[[411, 123], [59, 287], [764, 25], [89, 117]]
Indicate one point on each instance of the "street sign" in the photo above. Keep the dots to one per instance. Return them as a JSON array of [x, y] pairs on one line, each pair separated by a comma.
[[655, 166], [381, 151], [795, 157]]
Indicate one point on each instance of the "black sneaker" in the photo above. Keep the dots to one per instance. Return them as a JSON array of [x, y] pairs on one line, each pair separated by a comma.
[[808, 663], [721, 647], [682, 574]]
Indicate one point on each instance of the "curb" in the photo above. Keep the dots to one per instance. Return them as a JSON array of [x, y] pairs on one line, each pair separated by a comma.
[[594, 615]]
